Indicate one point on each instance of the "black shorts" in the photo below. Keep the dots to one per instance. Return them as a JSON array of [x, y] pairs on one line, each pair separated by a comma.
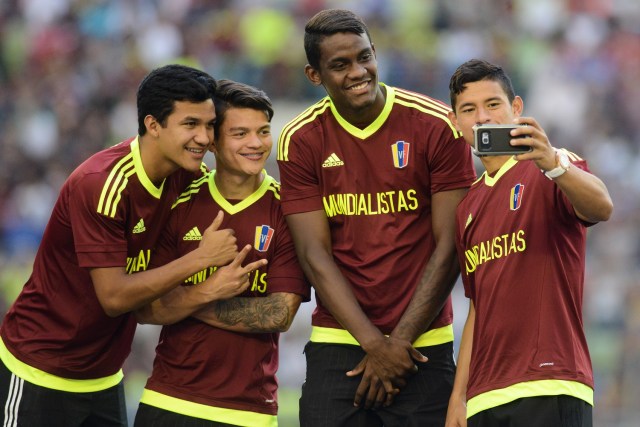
[[148, 415], [539, 411], [328, 394], [29, 405]]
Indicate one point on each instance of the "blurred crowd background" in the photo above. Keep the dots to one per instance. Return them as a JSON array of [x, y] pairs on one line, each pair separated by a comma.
[[69, 70]]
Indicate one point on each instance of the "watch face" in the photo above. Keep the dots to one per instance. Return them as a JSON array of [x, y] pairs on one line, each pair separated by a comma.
[[564, 160]]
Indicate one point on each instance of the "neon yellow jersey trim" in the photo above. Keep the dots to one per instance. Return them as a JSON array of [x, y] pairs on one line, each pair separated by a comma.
[[267, 182], [211, 413], [376, 124], [437, 336], [44, 379], [501, 396]]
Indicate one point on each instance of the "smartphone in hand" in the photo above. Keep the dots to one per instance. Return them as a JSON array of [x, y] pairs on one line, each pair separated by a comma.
[[493, 140]]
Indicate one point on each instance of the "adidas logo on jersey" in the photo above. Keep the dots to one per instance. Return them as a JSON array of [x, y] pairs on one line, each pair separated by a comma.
[[193, 234], [139, 228], [332, 161]]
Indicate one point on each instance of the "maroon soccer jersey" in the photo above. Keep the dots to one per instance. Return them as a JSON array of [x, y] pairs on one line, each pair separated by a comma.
[[522, 254], [108, 214], [375, 186], [211, 366]]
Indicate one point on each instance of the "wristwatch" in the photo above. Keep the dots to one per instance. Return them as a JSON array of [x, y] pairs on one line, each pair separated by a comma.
[[563, 164]]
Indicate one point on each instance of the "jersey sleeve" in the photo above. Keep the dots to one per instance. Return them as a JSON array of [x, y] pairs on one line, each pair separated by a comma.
[[563, 201], [451, 163], [300, 186], [99, 239], [284, 271]]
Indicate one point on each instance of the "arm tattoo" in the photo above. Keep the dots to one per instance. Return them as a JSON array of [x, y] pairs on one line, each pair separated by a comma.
[[267, 314]]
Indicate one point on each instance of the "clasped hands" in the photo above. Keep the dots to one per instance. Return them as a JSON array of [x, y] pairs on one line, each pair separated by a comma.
[[385, 370]]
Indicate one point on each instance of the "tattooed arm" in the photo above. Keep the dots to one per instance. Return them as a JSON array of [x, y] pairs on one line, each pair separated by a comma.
[[182, 301], [273, 313]]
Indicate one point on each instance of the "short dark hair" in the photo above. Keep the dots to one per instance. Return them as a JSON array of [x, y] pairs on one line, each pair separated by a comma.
[[231, 94], [163, 86], [326, 23], [476, 70]]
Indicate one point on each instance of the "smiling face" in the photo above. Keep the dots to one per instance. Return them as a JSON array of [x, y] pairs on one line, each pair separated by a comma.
[[348, 71], [181, 143], [243, 143], [483, 102]]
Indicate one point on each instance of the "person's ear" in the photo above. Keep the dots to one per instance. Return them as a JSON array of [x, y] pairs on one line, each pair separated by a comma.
[[152, 125], [312, 75], [517, 106]]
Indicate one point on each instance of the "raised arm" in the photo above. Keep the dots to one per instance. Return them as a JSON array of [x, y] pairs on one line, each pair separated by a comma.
[[586, 192]]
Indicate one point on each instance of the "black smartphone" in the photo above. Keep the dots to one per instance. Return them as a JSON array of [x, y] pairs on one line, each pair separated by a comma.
[[493, 140]]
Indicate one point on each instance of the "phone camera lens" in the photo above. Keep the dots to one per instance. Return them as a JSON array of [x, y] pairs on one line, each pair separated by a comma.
[[485, 138]]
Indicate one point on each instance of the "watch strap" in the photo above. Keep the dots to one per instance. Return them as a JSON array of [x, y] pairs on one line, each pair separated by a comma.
[[558, 170]]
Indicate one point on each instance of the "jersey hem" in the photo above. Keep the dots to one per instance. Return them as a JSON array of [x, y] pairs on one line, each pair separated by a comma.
[[502, 396], [47, 380], [211, 413], [432, 337]]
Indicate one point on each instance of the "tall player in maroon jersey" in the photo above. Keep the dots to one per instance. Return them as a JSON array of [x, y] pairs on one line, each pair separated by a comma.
[[218, 366], [521, 237], [371, 176], [64, 340]]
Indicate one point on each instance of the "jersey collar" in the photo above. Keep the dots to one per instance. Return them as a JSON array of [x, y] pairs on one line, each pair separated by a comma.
[[231, 208], [141, 173], [491, 180], [376, 124]]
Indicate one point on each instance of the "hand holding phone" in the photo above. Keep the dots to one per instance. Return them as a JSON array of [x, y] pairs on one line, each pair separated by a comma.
[[493, 140]]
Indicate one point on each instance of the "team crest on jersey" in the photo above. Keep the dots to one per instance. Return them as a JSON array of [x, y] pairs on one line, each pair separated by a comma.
[[264, 234], [400, 154], [515, 198]]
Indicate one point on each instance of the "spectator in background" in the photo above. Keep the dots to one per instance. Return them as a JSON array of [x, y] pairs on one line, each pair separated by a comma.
[[521, 236], [220, 364], [65, 339], [371, 177]]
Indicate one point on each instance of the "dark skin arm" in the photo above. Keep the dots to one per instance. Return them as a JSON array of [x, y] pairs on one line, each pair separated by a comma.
[[435, 285], [393, 358]]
